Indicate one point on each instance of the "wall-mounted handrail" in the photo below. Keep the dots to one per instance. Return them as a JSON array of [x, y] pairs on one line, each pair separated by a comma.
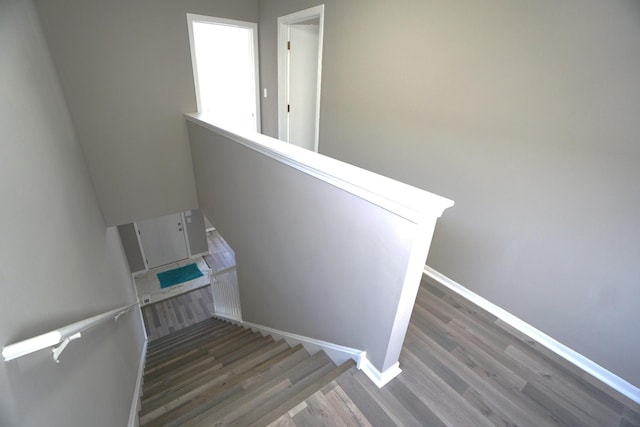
[[61, 336]]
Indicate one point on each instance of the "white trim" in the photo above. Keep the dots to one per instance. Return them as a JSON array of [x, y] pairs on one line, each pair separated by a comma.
[[137, 392], [186, 235], [283, 68], [411, 203], [337, 353], [587, 365], [380, 379], [144, 257], [232, 319], [251, 26]]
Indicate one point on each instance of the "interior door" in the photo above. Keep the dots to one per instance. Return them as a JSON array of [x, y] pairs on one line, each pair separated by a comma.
[[163, 240], [303, 84]]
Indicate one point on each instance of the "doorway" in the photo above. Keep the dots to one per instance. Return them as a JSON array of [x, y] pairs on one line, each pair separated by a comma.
[[224, 56], [162, 240], [300, 37]]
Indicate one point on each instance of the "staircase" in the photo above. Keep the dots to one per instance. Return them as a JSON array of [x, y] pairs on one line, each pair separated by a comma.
[[217, 374]]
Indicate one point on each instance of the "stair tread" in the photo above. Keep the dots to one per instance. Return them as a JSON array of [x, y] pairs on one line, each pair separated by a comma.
[[217, 373], [234, 407], [208, 323], [298, 396], [206, 386], [215, 368], [160, 365], [229, 387], [192, 342]]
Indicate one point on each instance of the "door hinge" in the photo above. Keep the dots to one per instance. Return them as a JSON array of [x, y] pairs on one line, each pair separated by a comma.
[[288, 45], [288, 108]]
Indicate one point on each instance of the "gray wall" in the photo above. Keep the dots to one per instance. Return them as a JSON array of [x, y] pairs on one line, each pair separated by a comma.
[[308, 262], [131, 247], [196, 232], [526, 114], [59, 262], [125, 69]]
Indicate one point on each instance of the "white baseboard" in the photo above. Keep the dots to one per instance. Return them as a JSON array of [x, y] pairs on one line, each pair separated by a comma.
[[198, 255], [137, 392], [379, 378], [587, 365], [337, 353], [232, 319]]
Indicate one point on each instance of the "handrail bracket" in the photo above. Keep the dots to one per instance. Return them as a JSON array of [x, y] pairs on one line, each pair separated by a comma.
[[57, 351]]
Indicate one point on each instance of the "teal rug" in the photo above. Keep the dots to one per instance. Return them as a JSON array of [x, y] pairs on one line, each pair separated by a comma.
[[179, 275]]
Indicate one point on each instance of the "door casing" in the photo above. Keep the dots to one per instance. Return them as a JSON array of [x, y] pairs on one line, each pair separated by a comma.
[[283, 67]]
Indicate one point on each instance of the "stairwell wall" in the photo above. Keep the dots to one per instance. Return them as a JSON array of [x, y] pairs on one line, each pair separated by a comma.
[[59, 263]]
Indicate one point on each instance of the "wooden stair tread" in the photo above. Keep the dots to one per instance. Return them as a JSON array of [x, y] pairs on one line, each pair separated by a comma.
[[216, 373]]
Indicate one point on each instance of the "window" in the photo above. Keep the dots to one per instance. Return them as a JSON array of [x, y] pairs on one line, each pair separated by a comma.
[[224, 56]]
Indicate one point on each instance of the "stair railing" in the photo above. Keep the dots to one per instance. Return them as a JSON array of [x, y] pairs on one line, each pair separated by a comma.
[[59, 338]]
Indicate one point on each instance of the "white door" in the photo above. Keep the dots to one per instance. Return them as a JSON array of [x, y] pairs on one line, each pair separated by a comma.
[[303, 84], [299, 76], [163, 240]]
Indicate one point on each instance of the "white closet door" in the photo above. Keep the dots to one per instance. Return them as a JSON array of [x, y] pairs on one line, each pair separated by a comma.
[[163, 240]]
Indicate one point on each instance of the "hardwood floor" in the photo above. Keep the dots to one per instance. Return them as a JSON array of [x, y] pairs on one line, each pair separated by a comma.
[[461, 367], [215, 373], [171, 315], [221, 257], [174, 314]]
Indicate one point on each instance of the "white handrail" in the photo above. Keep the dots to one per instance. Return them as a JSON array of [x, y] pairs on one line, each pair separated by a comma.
[[60, 336]]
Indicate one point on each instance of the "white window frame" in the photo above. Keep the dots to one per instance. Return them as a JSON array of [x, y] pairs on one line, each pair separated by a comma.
[[253, 27]]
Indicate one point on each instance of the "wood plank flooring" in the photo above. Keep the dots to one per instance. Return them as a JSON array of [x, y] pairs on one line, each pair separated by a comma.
[[216, 373], [171, 315], [174, 314], [221, 257], [463, 367]]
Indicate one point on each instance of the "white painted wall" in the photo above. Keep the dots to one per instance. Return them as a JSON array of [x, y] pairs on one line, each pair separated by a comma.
[[523, 112], [59, 263]]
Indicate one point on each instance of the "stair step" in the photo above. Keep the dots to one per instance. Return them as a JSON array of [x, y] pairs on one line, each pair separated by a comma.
[[199, 346], [296, 395], [193, 375], [190, 341], [207, 386], [230, 383], [270, 385], [189, 330], [217, 373]]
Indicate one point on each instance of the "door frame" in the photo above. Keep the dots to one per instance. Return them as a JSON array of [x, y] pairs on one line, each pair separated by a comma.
[[141, 246], [283, 67], [251, 26]]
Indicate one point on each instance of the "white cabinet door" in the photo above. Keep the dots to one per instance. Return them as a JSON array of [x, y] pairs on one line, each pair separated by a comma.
[[163, 240]]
